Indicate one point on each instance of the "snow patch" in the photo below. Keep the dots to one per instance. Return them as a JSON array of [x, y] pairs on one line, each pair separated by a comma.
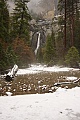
[[71, 78], [40, 68], [64, 104]]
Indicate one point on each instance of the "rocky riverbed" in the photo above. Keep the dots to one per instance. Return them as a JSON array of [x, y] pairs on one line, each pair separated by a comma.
[[39, 83]]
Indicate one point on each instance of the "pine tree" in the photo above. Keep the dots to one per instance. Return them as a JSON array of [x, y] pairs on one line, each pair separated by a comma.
[[69, 9], [20, 20], [72, 58], [4, 20], [77, 30], [11, 57], [3, 56], [4, 33], [49, 54]]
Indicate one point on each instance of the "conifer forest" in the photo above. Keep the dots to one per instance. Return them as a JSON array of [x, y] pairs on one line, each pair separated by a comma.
[[27, 37]]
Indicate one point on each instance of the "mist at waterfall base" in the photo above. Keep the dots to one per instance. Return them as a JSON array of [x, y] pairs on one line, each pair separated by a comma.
[[37, 68]]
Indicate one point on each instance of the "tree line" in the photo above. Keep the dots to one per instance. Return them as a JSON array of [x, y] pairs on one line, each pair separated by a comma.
[[70, 24], [62, 46], [15, 35]]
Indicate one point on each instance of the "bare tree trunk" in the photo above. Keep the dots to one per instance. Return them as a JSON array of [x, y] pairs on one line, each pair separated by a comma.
[[65, 28], [72, 25], [72, 31]]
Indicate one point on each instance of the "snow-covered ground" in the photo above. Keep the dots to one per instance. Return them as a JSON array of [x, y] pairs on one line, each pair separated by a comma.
[[64, 104], [40, 68]]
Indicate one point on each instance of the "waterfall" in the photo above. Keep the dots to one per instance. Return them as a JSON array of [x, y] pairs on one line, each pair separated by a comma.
[[38, 44]]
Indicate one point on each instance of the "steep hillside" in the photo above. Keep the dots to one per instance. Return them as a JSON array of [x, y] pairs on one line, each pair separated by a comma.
[[55, 4], [37, 5], [49, 15]]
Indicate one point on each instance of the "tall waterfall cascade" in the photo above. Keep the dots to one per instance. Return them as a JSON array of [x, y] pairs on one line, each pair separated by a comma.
[[38, 44]]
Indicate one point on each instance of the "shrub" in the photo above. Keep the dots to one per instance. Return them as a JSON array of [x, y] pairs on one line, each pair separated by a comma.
[[72, 57], [23, 52], [49, 53]]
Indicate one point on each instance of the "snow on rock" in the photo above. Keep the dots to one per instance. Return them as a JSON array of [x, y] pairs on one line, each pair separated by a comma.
[[64, 104], [72, 78], [9, 93]]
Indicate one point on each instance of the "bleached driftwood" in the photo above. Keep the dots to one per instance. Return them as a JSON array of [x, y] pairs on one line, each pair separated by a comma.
[[61, 83], [12, 73]]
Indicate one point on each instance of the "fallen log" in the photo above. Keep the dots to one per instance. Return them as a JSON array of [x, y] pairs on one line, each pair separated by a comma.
[[11, 73], [76, 81], [61, 83]]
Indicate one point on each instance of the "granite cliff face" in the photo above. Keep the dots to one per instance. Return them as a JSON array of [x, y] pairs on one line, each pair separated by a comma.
[[35, 6], [55, 4], [38, 38]]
